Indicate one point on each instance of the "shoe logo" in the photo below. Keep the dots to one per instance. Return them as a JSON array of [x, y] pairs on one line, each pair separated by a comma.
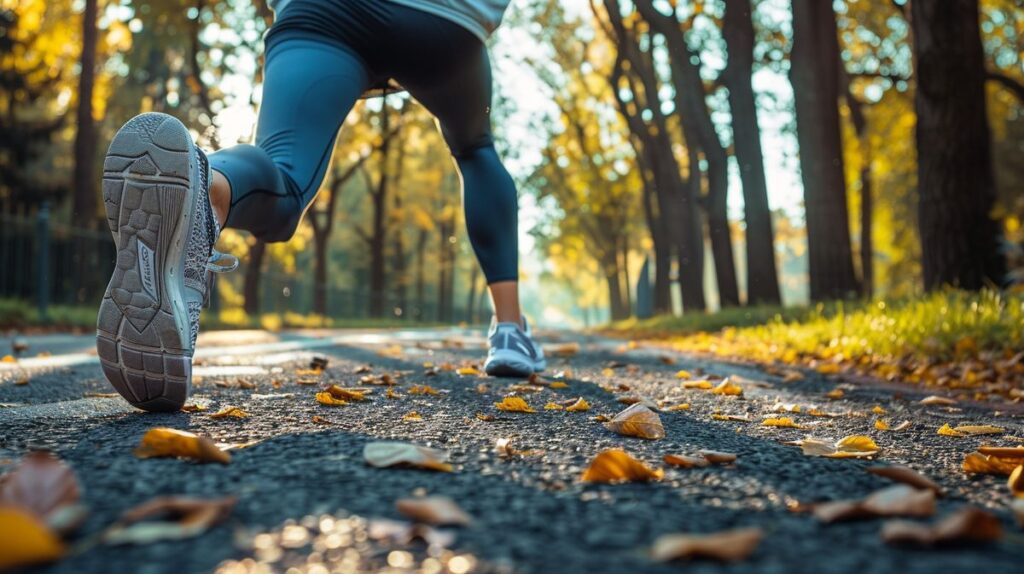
[[147, 268]]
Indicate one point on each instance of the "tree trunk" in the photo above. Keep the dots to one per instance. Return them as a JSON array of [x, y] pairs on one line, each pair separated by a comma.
[[421, 277], [474, 277], [867, 270], [320, 273], [959, 238], [378, 236], [253, 274], [814, 74], [762, 276], [84, 198], [662, 304]]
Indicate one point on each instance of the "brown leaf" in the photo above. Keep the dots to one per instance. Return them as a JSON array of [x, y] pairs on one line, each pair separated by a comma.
[[385, 453], [685, 461], [937, 400], [1003, 451], [42, 485], [716, 457], [327, 399], [854, 446], [230, 412], [434, 510], [725, 546], [179, 517], [964, 526], [1016, 482], [638, 421], [906, 475], [563, 350], [579, 405], [897, 500], [485, 418], [166, 442], [616, 465], [977, 463], [397, 533], [347, 394], [727, 388], [25, 540]]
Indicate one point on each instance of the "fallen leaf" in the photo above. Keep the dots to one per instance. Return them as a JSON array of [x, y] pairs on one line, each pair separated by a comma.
[[579, 406], [412, 416], [230, 412], [400, 533], [792, 377], [978, 463], [8, 359], [180, 517], [327, 399], [504, 448], [21, 381], [25, 540], [703, 385], [45, 487], [194, 408], [1003, 451], [422, 390], [727, 388], [683, 374], [1016, 482], [638, 421], [321, 420], [855, 446], [979, 429], [685, 461], [897, 500], [392, 394], [564, 350], [715, 457], [937, 400], [167, 442], [785, 422], [435, 510], [485, 418], [736, 418], [346, 394], [828, 369], [514, 405], [786, 408], [881, 425], [835, 394], [319, 363], [467, 371], [906, 475], [726, 546], [679, 407], [384, 454], [963, 526], [553, 407], [616, 465], [878, 410], [558, 385], [602, 418]]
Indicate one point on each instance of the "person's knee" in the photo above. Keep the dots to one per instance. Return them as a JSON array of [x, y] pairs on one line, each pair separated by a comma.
[[262, 199], [465, 146]]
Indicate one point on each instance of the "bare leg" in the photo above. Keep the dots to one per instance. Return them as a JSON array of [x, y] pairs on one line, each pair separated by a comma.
[[220, 197], [505, 300]]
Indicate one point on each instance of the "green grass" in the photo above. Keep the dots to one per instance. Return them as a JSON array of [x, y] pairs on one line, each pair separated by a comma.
[[21, 314]]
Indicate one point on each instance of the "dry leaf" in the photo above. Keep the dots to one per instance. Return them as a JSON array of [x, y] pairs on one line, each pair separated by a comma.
[[835, 394], [828, 369], [435, 510], [327, 399], [616, 465], [703, 385], [579, 406], [1003, 451], [978, 463], [485, 418], [786, 408], [467, 371], [25, 540], [392, 394], [422, 390], [321, 420], [937, 400], [412, 416], [964, 526], [553, 407], [1016, 482], [602, 418], [504, 448], [906, 475], [384, 454], [979, 429], [792, 377], [638, 421], [166, 442], [44, 486], [727, 388], [514, 405], [683, 375], [563, 350], [558, 385], [346, 394], [897, 500], [679, 407], [725, 546], [855, 446], [194, 408], [686, 461], [785, 422], [715, 457], [881, 425], [230, 412], [181, 517], [878, 410], [736, 418]]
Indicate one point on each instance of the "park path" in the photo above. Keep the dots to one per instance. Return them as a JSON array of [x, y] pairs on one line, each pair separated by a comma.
[[530, 513]]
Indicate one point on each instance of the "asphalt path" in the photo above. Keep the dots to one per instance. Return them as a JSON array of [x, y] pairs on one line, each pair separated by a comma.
[[308, 501]]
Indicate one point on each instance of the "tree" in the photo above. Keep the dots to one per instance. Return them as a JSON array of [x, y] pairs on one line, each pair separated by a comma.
[[762, 276], [960, 241], [814, 74], [84, 178]]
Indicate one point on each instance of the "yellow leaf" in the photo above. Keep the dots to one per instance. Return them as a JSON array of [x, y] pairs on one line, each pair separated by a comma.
[[553, 407], [25, 540], [878, 410], [166, 442], [855, 446], [881, 425], [727, 388], [230, 412], [558, 385], [8, 359], [327, 399], [346, 394], [979, 429], [194, 408], [780, 422], [978, 463], [467, 371], [616, 465], [564, 350], [792, 377], [937, 400], [514, 405], [579, 406], [608, 372], [679, 407], [412, 417], [828, 369], [423, 390], [683, 375], [736, 418], [685, 461], [638, 421], [703, 385], [835, 394], [602, 418], [391, 394], [1016, 481]]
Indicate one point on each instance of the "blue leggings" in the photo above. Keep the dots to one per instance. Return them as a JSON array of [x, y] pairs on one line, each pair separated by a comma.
[[321, 57]]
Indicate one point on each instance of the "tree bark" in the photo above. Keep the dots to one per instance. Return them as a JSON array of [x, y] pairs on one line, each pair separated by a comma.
[[762, 274], [814, 74], [253, 274], [421, 278], [959, 238], [84, 205]]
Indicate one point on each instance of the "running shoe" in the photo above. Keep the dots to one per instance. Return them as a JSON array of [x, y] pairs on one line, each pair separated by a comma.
[[512, 352], [156, 185]]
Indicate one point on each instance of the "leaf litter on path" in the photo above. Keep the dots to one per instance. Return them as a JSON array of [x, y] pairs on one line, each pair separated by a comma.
[[168, 442], [726, 546], [906, 475], [968, 525], [615, 465], [637, 421], [896, 500], [433, 510], [384, 454], [854, 446], [168, 518], [45, 487]]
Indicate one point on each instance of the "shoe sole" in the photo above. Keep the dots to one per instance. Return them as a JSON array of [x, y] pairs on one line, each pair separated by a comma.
[[143, 336], [506, 363]]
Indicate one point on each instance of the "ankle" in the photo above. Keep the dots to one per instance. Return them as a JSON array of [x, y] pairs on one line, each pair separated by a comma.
[[220, 197]]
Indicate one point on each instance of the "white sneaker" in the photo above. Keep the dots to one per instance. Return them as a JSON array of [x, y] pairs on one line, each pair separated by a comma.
[[513, 352]]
